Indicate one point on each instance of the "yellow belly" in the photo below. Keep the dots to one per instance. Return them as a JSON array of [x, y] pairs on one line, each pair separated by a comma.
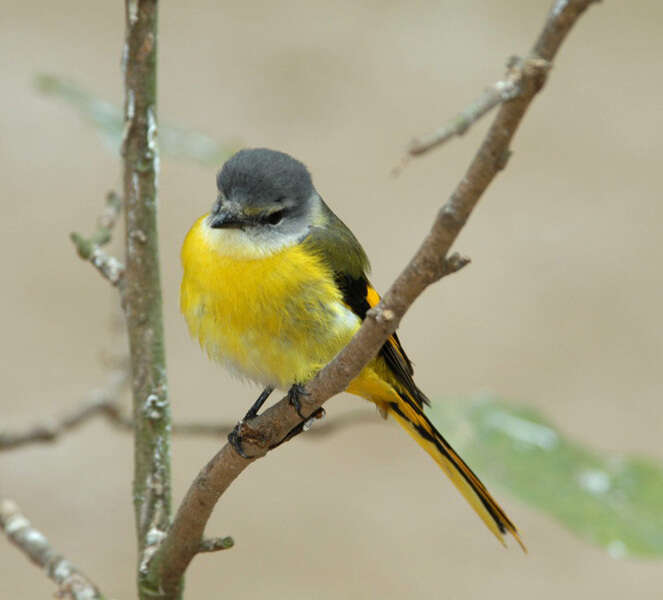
[[275, 319]]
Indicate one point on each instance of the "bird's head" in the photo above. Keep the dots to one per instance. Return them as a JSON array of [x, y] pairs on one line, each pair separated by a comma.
[[265, 194]]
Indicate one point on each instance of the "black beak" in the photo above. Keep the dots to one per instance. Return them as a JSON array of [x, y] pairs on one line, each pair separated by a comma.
[[224, 219]]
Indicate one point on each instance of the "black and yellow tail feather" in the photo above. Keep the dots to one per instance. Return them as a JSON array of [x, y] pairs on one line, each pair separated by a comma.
[[391, 386], [409, 414]]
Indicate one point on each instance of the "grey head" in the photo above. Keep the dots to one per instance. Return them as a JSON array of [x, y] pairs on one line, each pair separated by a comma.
[[266, 194]]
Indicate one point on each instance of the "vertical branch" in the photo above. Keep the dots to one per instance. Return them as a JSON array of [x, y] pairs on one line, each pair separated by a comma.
[[142, 297]]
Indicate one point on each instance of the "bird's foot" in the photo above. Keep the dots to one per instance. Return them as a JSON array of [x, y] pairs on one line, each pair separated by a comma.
[[295, 394], [235, 436], [235, 440]]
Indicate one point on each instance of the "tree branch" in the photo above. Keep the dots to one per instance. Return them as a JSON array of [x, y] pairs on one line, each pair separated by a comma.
[[104, 402], [215, 544], [502, 91], [142, 294], [71, 582], [330, 425], [428, 265], [90, 248], [99, 402], [508, 88]]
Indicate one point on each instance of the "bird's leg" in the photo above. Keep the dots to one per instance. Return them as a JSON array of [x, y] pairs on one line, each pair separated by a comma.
[[235, 436], [295, 394], [257, 405]]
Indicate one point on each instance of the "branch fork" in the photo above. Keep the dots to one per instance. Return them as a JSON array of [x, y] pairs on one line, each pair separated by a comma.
[[520, 73], [89, 248]]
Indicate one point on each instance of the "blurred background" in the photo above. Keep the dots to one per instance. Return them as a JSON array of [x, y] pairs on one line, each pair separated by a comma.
[[557, 319]]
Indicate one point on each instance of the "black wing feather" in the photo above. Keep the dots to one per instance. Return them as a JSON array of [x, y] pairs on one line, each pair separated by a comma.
[[355, 292]]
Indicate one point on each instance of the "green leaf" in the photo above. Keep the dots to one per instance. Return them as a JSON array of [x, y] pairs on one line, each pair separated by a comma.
[[108, 121], [613, 501]]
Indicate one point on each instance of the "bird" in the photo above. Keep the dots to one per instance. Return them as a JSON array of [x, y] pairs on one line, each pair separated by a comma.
[[274, 285]]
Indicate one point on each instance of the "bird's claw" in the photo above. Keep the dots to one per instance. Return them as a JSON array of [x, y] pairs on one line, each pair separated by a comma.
[[294, 398], [235, 440], [295, 394]]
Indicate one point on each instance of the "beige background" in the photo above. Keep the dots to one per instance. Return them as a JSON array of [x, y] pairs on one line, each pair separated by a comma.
[[560, 309]]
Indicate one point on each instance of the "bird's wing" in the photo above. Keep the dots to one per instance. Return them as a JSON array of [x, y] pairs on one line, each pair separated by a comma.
[[360, 296], [347, 260]]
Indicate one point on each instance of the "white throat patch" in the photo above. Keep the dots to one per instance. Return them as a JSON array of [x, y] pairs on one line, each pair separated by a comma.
[[263, 241], [237, 243]]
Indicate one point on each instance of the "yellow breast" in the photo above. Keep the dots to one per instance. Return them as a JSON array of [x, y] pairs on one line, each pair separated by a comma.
[[273, 315]]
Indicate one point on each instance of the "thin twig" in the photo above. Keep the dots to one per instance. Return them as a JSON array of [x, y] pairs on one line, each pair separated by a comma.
[[71, 582], [109, 217], [499, 92], [330, 425], [89, 248], [104, 402], [216, 544], [428, 265], [99, 402], [502, 91]]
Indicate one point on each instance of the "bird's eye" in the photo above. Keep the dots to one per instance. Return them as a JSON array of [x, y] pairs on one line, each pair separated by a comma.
[[276, 217]]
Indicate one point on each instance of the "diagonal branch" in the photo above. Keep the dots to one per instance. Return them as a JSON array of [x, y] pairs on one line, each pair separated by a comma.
[[71, 582], [428, 265]]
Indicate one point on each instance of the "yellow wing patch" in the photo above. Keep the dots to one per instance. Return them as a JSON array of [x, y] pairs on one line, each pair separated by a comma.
[[373, 299]]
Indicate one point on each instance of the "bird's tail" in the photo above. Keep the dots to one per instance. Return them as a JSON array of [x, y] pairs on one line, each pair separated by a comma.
[[409, 414]]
